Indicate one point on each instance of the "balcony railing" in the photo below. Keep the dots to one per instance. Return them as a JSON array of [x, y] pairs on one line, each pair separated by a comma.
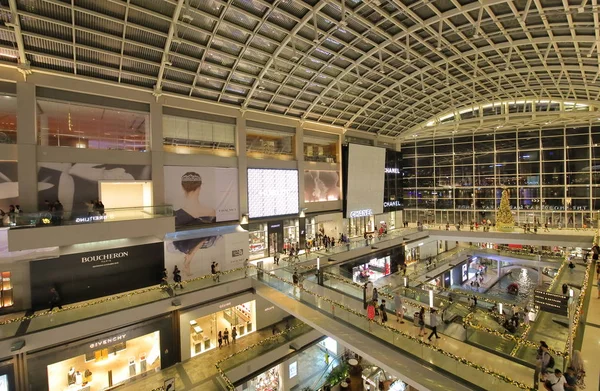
[[77, 217]]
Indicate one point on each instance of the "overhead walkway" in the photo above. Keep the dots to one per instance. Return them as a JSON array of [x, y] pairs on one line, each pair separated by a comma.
[[444, 365]]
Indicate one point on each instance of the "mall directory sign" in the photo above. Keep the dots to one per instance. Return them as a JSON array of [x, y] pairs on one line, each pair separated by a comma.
[[551, 302]]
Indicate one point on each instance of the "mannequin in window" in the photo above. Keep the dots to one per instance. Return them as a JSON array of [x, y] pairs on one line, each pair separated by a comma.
[[193, 212], [71, 376]]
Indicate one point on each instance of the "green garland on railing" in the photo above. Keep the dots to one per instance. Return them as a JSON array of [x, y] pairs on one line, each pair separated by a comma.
[[462, 360], [579, 308], [230, 386], [111, 298]]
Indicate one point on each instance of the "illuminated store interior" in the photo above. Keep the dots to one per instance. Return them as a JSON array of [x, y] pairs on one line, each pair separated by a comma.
[[204, 330]]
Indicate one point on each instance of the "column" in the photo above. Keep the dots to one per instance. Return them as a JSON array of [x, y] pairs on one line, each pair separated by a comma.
[[26, 147], [300, 159], [44, 130], [157, 153], [240, 150]]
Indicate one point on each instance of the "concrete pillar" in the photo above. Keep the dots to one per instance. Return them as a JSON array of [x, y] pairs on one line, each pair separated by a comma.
[[240, 150], [27, 147], [499, 263], [157, 153], [300, 158]]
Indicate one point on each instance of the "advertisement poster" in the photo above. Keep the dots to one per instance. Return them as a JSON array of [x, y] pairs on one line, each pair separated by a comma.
[[194, 255], [202, 195], [465, 274], [272, 192], [84, 276], [321, 186], [9, 186], [76, 184]]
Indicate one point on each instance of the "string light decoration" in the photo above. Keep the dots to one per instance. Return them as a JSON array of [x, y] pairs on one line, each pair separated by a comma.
[[579, 308], [127, 295]]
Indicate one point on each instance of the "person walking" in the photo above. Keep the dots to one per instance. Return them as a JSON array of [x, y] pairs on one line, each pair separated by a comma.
[[565, 289], [54, 299], [177, 278], [433, 322], [233, 334], [375, 295], [371, 310], [421, 322], [164, 279], [276, 258], [220, 339], [543, 361], [212, 271], [399, 305], [226, 336]]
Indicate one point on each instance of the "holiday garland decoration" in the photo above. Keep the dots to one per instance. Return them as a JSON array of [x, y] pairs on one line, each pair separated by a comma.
[[579, 308], [504, 217], [460, 359], [113, 298]]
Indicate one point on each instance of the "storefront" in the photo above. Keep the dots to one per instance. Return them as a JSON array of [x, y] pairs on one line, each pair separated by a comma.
[[6, 291], [373, 266], [83, 276], [125, 194], [458, 275], [106, 360], [204, 330], [200, 326], [358, 226], [268, 238], [330, 224]]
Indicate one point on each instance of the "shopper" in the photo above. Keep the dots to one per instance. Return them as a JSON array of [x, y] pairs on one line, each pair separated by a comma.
[[220, 339], [399, 305], [543, 361], [371, 310], [597, 270], [217, 271], [383, 312], [433, 321], [555, 381], [164, 279], [226, 336], [54, 299], [233, 334], [375, 295], [213, 270], [421, 322], [177, 278], [571, 266], [571, 378], [565, 289]]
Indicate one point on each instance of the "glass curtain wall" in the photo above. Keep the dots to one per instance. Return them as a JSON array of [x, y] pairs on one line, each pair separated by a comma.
[[553, 176]]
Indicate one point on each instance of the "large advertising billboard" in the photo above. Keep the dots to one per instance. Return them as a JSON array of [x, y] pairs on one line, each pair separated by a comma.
[[364, 170], [76, 184], [321, 185], [392, 191], [272, 192], [202, 195], [193, 253]]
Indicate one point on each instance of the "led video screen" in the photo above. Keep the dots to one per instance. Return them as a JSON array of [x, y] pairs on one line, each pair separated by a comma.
[[365, 173], [272, 192]]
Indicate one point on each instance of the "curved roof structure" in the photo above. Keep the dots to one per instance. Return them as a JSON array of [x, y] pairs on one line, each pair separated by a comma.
[[382, 66]]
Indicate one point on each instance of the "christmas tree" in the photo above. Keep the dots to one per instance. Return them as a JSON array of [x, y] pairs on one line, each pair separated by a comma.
[[504, 217]]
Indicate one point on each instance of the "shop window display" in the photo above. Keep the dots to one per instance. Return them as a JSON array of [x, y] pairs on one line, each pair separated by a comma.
[[371, 271], [204, 331], [107, 363], [267, 381], [258, 240]]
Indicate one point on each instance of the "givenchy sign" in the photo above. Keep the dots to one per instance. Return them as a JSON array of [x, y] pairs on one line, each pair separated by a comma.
[[108, 341], [105, 257]]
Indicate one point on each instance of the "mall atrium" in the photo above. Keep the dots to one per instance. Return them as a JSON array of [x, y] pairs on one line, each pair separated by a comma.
[[299, 195]]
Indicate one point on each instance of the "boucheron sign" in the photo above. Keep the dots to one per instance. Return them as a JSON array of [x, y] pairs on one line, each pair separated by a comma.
[[105, 257]]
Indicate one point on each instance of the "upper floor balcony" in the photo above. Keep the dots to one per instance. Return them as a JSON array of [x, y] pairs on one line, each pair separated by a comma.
[[61, 228]]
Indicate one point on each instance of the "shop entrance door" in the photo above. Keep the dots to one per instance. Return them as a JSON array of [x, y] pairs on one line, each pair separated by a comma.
[[275, 237]]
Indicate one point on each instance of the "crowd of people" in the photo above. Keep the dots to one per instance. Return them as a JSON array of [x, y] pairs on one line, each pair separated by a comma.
[[10, 217]]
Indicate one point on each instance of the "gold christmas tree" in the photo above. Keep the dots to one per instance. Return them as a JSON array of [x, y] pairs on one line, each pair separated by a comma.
[[504, 217]]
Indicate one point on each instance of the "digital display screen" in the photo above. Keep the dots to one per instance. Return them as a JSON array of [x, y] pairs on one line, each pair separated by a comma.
[[365, 172], [272, 192]]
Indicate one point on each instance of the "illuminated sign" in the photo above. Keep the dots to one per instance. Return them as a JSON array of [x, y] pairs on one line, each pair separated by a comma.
[[361, 213], [392, 170], [105, 257], [91, 218], [108, 341], [392, 203]]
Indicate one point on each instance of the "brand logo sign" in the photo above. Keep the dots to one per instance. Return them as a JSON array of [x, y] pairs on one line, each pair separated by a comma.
[[361, 213], [269, 308], [108, 341], [392, 203], [226, 305], [392, 170], [275, 226], [88, 219], [105, 257], [237, 253]]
